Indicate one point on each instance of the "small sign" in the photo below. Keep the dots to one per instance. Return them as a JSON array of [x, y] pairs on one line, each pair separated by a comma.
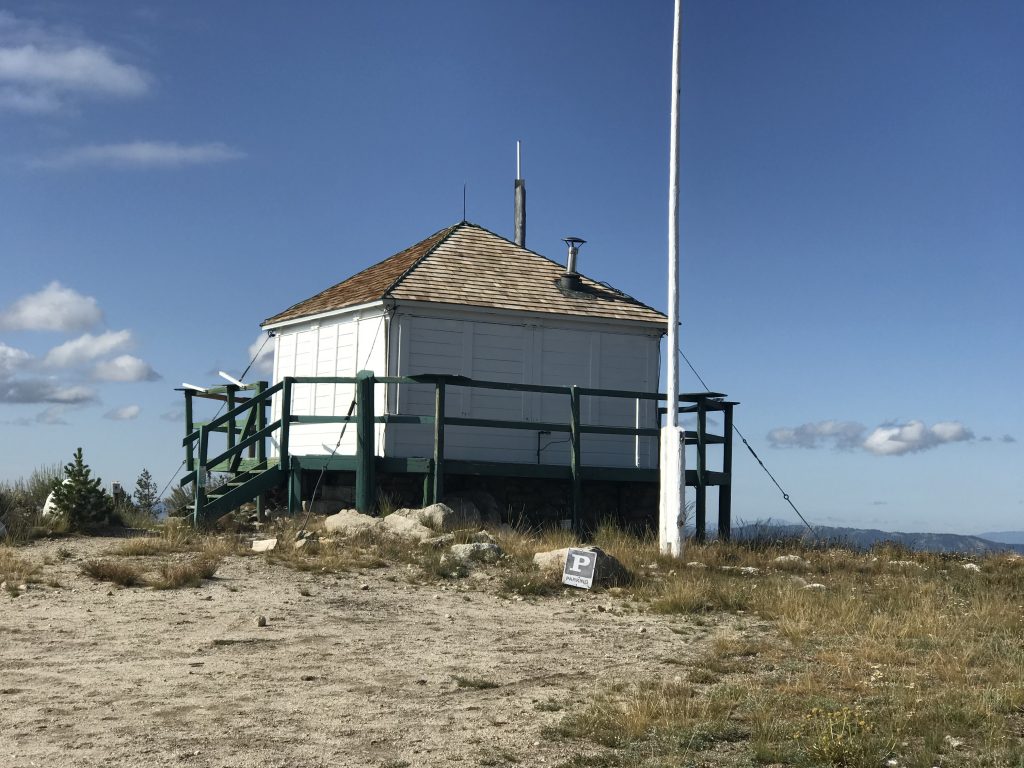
[[579, 568]]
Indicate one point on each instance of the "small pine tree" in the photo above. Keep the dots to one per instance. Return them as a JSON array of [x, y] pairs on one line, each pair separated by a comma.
[[82, 501], [146, 494]]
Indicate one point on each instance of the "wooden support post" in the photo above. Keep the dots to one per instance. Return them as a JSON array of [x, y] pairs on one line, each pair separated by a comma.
[[574, 457], [701, 496], [190, 450], [294, 471], [725, 490], [200, 499], [366, 483], [286, 420], [438, 464], [232, 423], [428, 485], [260, 449]]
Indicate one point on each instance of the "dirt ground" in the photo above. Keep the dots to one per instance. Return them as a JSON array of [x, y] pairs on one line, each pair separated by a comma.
[[392, 673]]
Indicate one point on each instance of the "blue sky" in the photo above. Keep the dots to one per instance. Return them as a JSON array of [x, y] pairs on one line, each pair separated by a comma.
[[852, 212]]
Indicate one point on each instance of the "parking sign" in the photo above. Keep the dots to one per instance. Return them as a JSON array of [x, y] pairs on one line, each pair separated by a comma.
[[579, 568]]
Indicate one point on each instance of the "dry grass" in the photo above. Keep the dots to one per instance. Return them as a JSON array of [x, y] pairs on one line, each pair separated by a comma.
[[115, 571], [16, 570], [192, 573], [884, 663]]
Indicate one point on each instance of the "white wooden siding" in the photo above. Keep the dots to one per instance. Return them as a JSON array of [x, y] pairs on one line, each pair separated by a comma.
[[332, 349], [522, 353]]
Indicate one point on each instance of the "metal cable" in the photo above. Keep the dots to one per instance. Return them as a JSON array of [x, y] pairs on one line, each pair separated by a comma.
[[750, 448]]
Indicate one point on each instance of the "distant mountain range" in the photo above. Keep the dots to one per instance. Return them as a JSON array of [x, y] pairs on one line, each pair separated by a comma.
[[1004, 537], [863, 538]]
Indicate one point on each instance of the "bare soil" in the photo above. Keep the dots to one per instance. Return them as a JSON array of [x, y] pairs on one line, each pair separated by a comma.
[[393, 673]]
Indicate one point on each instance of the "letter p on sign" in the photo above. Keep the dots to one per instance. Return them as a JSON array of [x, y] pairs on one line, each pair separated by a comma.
[[579, 568]]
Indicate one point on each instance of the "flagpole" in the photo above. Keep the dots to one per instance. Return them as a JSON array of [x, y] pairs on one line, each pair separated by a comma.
[[672, 495]]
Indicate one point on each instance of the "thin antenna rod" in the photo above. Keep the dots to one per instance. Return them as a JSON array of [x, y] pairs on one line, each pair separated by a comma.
[[463, 201], [519, 174]]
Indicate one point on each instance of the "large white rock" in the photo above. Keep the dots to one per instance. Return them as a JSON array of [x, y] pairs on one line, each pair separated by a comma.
[[349, 522], [49, 508], [480, 552], [407, 528], [264, 545], [443, 518]]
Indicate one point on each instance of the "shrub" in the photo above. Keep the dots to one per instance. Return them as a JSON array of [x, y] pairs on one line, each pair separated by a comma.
[[22, 501], [188, 574], [115, 571], [82, 501]]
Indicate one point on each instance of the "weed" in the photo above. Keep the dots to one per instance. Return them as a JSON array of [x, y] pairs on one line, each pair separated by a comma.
[[187, 574], [477, 683], [114, 571]]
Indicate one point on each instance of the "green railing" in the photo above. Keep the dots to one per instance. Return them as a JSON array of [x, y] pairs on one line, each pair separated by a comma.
[[256, 430]]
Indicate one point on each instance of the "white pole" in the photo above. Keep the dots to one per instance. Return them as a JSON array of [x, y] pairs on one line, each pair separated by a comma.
[[673, 464]]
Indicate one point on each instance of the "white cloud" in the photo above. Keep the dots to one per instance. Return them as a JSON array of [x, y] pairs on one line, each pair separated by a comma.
[[124, 368], [126, 413], [87, 347], [261, 352], [842, 434], [885, 440], [43, 391], [55, 308], [914, 436], [142, 154], [12, 360], [42, 70]]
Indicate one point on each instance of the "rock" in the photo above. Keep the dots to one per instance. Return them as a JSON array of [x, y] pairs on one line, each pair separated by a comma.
[[300, 535], [439, 542], [798, 582], [49, 508], [608, 571], [364, 587], [974, 567], [952, 742], [814, 586], [261, 621], [790, 561], [695, 564], [746, 570], [443, 518], [479, 552], [264, 545], [349, 522], [905, 564], [482, 537], [309, 546], [406, 527]]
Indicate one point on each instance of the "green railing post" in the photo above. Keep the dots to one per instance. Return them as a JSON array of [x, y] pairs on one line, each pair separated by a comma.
[[260, 448], [294, 471], [284, 459], [438, 467], [204, 439], [701, 505], [190, 451], [725, 489], [366, 484], [232, 391], [574, 457]]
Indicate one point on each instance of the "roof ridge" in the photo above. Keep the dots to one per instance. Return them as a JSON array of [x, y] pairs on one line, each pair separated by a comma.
[[397, 281]]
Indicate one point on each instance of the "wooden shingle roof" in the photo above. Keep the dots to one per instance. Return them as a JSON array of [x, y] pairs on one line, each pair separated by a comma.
[[470, 266]]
